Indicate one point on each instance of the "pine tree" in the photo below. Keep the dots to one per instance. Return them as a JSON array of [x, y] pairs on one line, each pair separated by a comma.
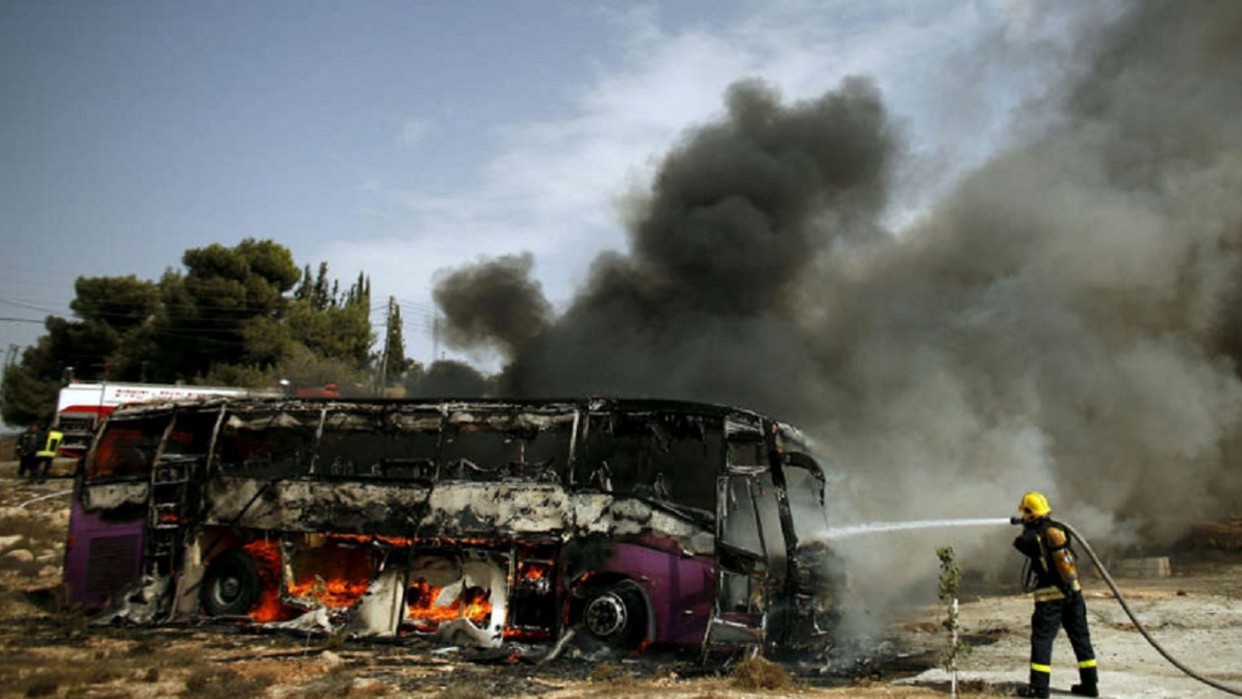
[[320, 298], [395, 351]]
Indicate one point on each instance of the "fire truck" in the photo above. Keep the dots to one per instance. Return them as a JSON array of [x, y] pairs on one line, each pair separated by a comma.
[[83, 405]]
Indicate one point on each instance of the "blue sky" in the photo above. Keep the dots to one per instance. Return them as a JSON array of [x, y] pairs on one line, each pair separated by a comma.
[[402, 138]]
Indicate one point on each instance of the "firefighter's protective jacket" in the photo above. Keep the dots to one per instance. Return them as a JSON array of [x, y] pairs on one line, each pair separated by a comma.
[[1053, 572], [49, 450]]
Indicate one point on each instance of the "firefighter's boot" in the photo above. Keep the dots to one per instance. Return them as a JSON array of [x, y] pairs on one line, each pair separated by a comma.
[[1090, 680], [1041, 677]]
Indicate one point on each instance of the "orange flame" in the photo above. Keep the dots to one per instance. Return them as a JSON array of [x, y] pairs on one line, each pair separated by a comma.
[[340, 576], [512, 634], [474, 604], [266, 555], [395, 541], [334, 576], [330, 592], [531, 571]]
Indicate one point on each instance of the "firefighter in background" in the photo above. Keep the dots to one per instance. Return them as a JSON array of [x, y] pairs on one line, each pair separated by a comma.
[[27, 451], [1052, 577], [48, 452]]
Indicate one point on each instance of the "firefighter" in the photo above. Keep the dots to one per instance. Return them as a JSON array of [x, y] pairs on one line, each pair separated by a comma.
[[1052, 577], [48, 452], [27, 450]]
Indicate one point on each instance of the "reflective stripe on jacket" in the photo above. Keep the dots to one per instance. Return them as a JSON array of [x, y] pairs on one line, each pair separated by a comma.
[[52, 446], [1047, 594]]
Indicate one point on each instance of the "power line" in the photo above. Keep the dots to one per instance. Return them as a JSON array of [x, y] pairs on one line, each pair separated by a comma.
[[27, 306]]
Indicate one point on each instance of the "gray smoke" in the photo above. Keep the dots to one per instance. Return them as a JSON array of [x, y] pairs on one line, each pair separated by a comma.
[[1060, 319], [705, 304], [494, 303], [1064, 320]]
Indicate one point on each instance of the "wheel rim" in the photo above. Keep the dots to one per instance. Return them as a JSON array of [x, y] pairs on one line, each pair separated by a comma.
[[606, 615], [227, 590]]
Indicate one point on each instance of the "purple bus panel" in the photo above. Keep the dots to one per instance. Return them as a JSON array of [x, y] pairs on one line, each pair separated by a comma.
[[681, 588], [102, 557]]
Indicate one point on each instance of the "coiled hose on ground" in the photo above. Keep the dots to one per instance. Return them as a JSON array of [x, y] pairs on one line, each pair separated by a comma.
[[1122, 600]]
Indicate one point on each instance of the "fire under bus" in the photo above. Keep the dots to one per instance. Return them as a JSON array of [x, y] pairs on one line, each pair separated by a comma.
[[477, 522]]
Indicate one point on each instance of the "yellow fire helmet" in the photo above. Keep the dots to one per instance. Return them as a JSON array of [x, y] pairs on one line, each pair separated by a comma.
[[1034, 505]]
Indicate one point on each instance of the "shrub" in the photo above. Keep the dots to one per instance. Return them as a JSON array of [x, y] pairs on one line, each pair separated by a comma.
[[758, 673]]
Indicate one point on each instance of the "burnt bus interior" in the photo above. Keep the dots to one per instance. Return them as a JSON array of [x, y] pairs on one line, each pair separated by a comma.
[[475, 522]]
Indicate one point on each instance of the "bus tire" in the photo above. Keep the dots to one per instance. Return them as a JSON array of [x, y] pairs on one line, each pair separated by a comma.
[[616, 615], [231, 584]]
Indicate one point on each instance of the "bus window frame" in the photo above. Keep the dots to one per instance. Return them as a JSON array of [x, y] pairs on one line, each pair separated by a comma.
[[90, 470]]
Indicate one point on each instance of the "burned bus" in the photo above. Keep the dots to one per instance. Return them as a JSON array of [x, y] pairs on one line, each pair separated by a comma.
[[477, 522]]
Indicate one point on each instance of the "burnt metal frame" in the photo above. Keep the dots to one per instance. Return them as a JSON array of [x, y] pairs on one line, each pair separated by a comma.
[[579, 433]]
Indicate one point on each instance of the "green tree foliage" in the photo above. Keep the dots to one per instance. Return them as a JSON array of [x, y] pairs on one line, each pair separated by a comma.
[[394, 351], [122, 303], [108, 339], [302, 367], [25, 396], [315, 292], [84, 345], [243, 316], [209, 308], [950, 584], [29, 388], [336, 326]]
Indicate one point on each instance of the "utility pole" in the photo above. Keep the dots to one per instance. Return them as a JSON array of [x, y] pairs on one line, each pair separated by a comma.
[[383, 372], [10, 360], [435, 337]]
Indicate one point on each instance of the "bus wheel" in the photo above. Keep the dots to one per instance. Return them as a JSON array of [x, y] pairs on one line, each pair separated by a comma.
[[616, 615], [230, 585]]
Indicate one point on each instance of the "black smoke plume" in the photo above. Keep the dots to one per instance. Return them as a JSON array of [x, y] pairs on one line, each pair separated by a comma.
[[1064, 320], [705, 305], [493, 303]]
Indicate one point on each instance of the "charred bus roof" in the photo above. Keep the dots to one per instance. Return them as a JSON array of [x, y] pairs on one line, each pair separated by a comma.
[[791, 438]]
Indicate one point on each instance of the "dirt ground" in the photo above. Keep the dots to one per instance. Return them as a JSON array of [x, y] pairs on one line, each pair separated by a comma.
[[51, 651]]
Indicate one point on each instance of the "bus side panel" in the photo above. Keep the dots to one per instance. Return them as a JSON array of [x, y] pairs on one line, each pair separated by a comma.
[[102, 558]]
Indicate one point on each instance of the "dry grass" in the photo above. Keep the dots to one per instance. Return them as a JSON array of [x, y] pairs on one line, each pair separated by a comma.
[[335, 684], [463, 689], [759, 674], [607, 672], [370, 688], [33, 675], [222, 683]]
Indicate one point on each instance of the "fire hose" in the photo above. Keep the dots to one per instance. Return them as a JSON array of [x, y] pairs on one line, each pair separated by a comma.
[[1138, 625]]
